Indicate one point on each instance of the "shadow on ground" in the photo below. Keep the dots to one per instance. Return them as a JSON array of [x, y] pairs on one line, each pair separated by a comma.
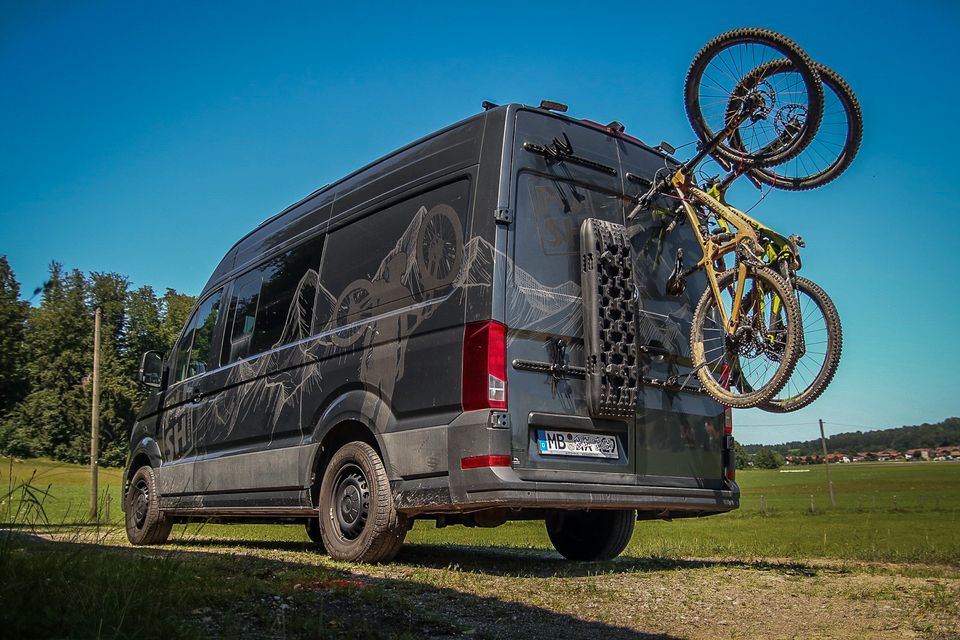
[[519, 561], [281, 598]]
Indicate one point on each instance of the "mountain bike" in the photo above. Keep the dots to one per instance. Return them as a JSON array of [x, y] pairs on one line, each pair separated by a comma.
[[821, 338], [751, 110]]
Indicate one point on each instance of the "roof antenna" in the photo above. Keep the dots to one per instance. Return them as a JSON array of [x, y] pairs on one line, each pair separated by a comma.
[[550, 105]]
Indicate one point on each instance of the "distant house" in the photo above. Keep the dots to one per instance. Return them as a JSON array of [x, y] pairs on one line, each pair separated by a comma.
[[890, 454], [919, 454]]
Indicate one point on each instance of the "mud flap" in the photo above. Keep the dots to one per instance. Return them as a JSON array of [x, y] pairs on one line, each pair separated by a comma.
[[609, 319]]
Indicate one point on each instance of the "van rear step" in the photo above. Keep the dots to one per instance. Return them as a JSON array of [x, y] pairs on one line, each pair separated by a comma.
[[609, 319]]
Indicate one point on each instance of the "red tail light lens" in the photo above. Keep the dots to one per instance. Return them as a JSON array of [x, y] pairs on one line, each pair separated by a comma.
[[484, 366], [727, 421]]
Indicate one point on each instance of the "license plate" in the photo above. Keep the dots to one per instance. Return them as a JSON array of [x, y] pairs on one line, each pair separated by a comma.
[[587, 445]]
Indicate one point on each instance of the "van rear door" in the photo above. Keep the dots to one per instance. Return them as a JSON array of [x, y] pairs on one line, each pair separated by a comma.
[[679, 434], [554, 437]]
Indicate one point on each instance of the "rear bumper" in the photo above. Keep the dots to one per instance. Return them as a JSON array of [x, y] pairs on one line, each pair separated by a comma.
[[501, 487], [460, 490]]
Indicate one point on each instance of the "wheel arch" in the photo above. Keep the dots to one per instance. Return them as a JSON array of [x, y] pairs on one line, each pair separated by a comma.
[[145, 453], [355, 415]]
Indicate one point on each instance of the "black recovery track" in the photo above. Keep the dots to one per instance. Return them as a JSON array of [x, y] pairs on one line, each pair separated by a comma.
[[609, 319]]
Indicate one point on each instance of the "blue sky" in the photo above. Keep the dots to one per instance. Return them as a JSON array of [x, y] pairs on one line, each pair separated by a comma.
[[145, 139]]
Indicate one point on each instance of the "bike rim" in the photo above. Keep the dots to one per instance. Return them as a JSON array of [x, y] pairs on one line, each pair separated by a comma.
[[815, 349], [749, 359]]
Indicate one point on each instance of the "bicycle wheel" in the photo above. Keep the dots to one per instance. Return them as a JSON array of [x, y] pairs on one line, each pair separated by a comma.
[[749, 367], [819, 353], [786, 108], [834, 146]]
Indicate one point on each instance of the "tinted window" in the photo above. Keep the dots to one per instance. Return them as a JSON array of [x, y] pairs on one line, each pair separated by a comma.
[[273, 304], [246, 296], [545, 287], [403, 251], [196, 352]]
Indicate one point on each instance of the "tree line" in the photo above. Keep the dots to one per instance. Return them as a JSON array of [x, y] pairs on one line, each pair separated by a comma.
[[926, 435], [46, 360]]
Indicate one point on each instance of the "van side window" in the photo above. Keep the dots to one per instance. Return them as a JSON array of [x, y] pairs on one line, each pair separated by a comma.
[[273, 304], [406, 250], [246, 296], [196, 353]]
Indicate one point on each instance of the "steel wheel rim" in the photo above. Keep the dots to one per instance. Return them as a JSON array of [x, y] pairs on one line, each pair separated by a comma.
[[351, 502], [141, 504]]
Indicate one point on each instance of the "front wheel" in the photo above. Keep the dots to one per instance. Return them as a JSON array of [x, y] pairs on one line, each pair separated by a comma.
[[358, 522], [820, 352], [747, 367], [145, 523], [590, 535], [785, 109]]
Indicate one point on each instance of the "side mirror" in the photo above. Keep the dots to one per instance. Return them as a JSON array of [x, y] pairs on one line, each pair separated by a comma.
[[151, 369]]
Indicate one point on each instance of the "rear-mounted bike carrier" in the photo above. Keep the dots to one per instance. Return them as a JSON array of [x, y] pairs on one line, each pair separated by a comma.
[[609, 319]]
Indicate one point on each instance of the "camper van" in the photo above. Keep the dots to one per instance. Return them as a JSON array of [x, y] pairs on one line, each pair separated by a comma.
[[468, 330]]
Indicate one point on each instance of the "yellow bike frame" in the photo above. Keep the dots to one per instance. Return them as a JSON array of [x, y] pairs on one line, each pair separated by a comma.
[[744, 235]]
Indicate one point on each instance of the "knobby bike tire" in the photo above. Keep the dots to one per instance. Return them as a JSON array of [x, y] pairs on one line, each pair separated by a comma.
[[835, 160], [768, 155], [710, 379], [784, 403]]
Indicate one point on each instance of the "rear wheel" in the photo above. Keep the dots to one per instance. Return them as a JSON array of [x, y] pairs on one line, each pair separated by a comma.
[[145, 523], [747, 368], [786, 109], [358, 522], [590, 535], [820, 352], [313, 532], [833, 148]]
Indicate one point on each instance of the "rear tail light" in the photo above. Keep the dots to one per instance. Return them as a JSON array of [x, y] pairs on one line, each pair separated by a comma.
[[728, 421], [484, 366]]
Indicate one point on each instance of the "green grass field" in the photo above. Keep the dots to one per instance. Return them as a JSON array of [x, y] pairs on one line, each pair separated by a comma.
[[793, 554], [885, 511]]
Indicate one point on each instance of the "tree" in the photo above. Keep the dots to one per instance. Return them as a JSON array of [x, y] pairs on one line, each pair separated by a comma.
[[13, 320], [51, 414], [742, 456], [53, 418], [176, 307], [767, 458]]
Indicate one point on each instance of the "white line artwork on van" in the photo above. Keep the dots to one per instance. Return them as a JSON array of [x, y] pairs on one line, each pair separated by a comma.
[[431, 264]]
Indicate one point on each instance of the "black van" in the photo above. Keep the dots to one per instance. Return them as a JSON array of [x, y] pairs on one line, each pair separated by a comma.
[[412, 342]]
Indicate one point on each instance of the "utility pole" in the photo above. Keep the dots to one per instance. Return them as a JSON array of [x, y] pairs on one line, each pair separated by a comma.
[[826, 461], [95, 418]]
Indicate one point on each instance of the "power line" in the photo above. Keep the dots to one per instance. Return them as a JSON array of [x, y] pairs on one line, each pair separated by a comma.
[[789, 424]]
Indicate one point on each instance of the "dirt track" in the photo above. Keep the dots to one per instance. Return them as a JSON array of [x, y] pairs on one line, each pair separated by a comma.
[[434, 591]]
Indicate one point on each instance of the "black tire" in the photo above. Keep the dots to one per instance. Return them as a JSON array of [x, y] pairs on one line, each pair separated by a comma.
[[590, 535], [819, 354], [728, 366], [145, 523], [833, 148], [358, 522], [708, 96], [312, 527]]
